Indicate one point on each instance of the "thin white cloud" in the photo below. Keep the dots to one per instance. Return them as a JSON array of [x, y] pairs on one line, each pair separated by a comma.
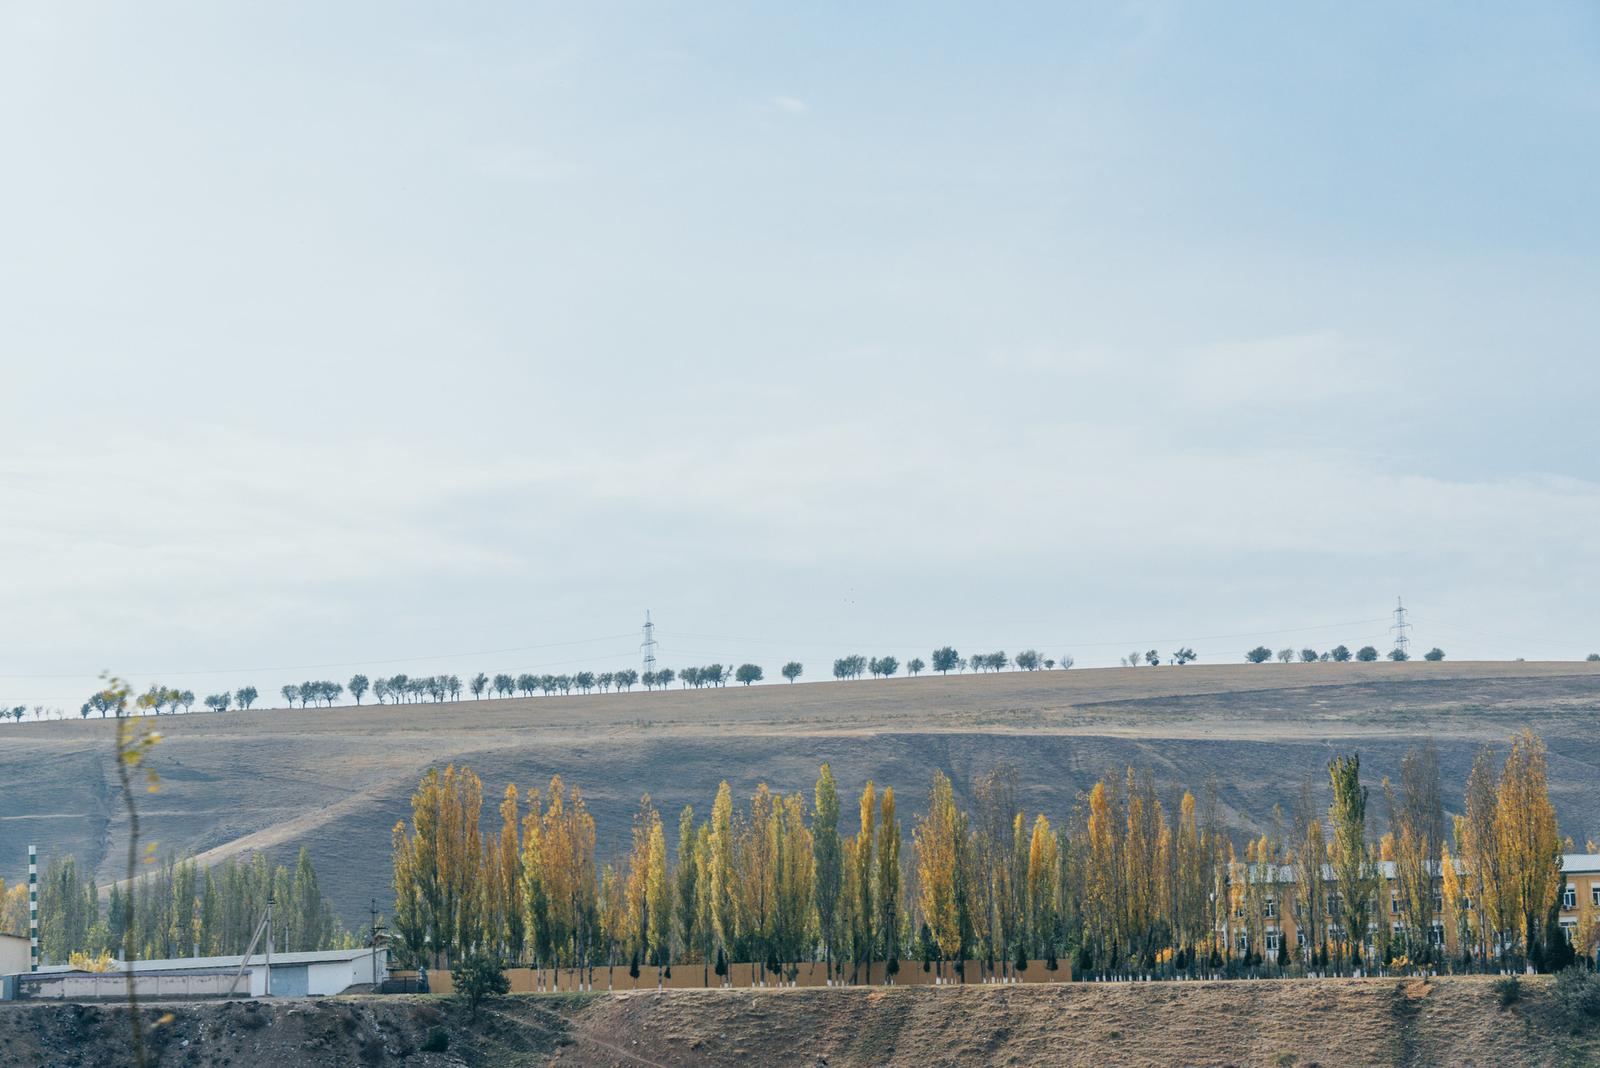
[[521, 163], [789, 105]]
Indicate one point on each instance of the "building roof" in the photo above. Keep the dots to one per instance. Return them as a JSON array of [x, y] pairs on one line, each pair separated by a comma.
[[194, 964], [326, 956], [1571, 864], [115, 973]]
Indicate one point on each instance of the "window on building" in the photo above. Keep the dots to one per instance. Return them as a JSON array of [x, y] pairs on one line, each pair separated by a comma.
[[1438, 901], [1594, 894], [1394, 905], [1242, 943], [1272, 908], [1568, 928], [1272, 942], [1299, 938], [1436, 935], [1569, 897], [1333, 906]]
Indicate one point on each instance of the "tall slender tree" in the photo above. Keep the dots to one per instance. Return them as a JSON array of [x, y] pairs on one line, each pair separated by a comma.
[[828, 859]]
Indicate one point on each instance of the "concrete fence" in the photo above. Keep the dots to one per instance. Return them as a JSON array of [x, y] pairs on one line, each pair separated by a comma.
[[113, 986]]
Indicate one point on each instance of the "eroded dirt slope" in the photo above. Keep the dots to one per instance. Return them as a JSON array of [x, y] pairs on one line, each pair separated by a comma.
[[1327, 1023]]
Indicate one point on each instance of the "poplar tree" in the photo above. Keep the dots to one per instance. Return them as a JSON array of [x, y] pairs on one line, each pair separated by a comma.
[[1356, 874], [1043, 885], [1416, 819], [722, 871], [1478, 844], [829, 873], [1457, 917], [1140, 891], [704, 915], [755, 889], [686, 891], [636, 883], [1191, 868], [1525, 823], [935, 842], [1311, 888], [1101, 884], [532, 886], [511, 922], [861, 884], [889, 882], [794, 934], [613, 920], [658, 893]]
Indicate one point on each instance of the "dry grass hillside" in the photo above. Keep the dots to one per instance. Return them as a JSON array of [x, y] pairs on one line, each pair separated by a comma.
[[1270, 1023], [335, 780]]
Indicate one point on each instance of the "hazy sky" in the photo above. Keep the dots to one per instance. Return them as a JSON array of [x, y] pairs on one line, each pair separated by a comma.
[[334, 334]]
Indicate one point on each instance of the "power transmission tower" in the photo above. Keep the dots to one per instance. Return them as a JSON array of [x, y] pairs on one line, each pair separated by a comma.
[[1402, 640], [648, 646]]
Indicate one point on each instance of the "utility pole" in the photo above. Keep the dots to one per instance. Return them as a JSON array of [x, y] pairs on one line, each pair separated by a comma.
[[648, 646], [1400, 626], [33, 908], [374, 927], [270, 903]]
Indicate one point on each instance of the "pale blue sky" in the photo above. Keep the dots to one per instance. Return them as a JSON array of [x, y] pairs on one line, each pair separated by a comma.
[[336, 333]]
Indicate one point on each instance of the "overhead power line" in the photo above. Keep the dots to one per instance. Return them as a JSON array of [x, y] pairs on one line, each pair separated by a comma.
[[331, 664], [1260, 633]]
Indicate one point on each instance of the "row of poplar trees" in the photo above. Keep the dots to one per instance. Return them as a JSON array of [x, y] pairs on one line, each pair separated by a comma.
[[181, 910], [1126, 885]]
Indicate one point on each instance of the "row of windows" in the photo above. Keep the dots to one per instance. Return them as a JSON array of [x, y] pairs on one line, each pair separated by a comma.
[[1274, 938], [1569, 896], [1269, 907]]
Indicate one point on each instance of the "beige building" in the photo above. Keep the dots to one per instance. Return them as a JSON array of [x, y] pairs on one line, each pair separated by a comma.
[[14, 957], [1579, 908]]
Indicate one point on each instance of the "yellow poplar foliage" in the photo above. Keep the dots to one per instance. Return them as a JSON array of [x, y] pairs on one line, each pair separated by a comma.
[[797, 879], [1100, 892], [937, 849], [657, 893], [83, 962], [1044, 859], [888, 874], [1456, 917], [438, 866], [13, 908], [723, 918], [1130, 886], [1525, 824]]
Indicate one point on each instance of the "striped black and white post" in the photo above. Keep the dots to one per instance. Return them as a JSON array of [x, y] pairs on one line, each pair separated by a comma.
[[33, 908]]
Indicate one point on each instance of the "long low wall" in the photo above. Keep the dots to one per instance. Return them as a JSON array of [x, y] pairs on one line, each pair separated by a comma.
[[110, 986], [693, 977]]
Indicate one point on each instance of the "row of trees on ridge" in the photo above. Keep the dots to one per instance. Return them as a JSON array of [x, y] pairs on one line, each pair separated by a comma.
[[1339, 654]]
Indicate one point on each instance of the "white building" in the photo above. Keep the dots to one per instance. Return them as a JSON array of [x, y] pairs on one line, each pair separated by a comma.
[[327, 972]]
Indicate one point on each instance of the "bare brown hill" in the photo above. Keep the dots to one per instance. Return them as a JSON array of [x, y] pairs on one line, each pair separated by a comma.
[[335, 780], [1341, 1023]]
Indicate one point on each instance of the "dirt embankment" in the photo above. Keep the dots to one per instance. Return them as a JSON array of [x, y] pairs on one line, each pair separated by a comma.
[[1273, 1022]]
